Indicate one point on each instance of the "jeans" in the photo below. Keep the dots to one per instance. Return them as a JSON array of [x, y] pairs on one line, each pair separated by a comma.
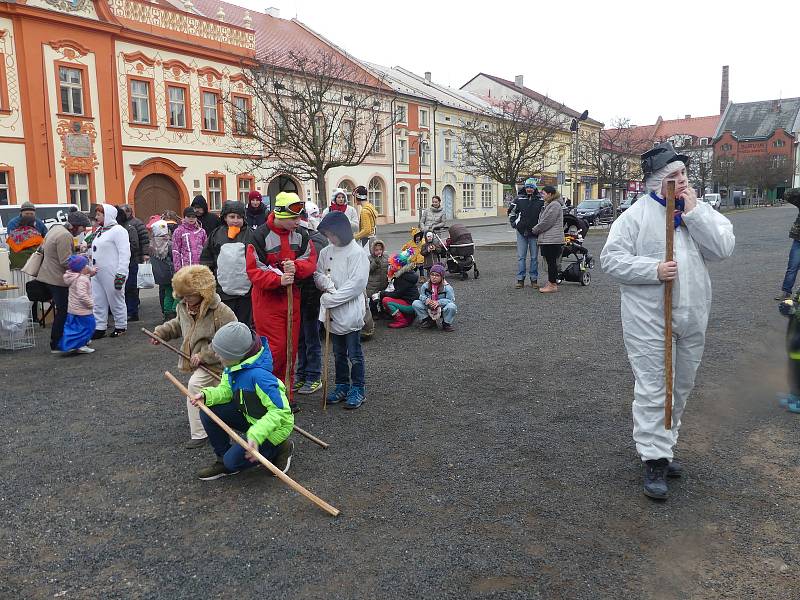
[[60, 302], [232, 454], [449, 310], [309, 350], [348, 347], [525, 245], [131, 289], [792, 267]]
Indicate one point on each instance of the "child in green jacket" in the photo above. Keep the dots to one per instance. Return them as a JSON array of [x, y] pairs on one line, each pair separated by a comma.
[[250, 399]]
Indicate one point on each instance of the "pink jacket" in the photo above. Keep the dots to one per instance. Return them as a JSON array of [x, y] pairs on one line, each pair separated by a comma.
[[80, 294], [187, 244]]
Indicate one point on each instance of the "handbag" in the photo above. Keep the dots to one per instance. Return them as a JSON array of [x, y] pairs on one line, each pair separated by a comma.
[[33, 265], [145, 279]]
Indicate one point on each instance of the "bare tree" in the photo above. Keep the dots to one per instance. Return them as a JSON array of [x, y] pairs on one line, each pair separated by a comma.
[[517, 136], [701, 166], [318, 112], [615, 158]]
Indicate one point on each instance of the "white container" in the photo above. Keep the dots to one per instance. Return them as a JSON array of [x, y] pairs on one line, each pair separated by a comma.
[[5, 265]]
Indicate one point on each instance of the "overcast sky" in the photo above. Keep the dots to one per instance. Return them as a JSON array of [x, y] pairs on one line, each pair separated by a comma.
[[618, 58]]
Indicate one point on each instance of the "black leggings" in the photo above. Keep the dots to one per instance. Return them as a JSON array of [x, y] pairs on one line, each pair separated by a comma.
[[551, 253]]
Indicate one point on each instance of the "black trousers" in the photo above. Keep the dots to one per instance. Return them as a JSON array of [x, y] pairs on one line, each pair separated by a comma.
[[60, 302], [242, 307], [551, 253]]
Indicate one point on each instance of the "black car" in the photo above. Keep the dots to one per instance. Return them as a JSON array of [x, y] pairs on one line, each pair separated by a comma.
[[596, 211]]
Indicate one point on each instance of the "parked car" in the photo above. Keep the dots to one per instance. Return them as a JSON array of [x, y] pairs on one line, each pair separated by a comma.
[[596, 211], [715, 200], [626, 204]]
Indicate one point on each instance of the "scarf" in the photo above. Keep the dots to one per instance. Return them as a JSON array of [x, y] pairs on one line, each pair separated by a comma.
[[339, 207], [679, 206]]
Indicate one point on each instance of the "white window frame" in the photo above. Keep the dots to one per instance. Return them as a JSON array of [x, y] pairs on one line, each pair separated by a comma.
[[427, 119], [5, 188], [468, 194], [377, 147], [704, 141], [401, 110], [140, 103], [375, 193], [207, 108], [448, 149], [402, 151], [79, 191], [778, 143], [402, 198], [422, 198], [176, 108], [424, 153], [241, 116], [245, 187], [487, 201], [74, 87], [215, 193]]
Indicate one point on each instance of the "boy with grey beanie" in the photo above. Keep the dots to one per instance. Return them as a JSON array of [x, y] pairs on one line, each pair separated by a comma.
[[250, 399]]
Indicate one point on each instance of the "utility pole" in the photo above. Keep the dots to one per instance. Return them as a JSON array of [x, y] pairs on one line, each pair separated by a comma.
[[574, 129]]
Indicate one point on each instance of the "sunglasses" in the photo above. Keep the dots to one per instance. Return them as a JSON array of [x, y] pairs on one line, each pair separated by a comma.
[[295, 209]]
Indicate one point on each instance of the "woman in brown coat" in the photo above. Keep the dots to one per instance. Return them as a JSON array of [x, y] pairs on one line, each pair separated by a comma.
[[200, 314], [550, 231]]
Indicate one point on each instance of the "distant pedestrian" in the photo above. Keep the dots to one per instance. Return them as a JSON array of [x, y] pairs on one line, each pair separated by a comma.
[[339, 204], [523, 214], [140, 253], [80, 324], [402, 290], [188, 241], [376, 283], [208, 220], [256, 214], [163, 267], [27, 210], [367, 215], [433, 218], [792, 196], [549, 232], [111, 255]]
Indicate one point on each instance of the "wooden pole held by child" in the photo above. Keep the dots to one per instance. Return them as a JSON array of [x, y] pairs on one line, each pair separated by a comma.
[[325, 355], [216, 375], [669, 256], [272, 468], [289, 345]]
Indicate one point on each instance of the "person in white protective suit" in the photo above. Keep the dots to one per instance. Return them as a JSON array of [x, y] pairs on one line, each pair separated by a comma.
[[110, 250], [634, 254]]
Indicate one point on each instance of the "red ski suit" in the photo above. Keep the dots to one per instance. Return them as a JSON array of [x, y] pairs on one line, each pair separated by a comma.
[[270, 302]]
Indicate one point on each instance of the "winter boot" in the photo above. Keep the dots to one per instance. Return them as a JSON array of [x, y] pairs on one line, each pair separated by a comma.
[[356, 397], [520, 284], [548, 288], [655, 478], [675, 470], [447, 327], [534, 283], [400, 320], [98, 333], [339, 394], [427, 323]]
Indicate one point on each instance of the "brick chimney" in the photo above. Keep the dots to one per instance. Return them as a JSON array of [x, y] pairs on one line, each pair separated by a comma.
[[518, 81], [427, 75], [724, 95], [687, 116]]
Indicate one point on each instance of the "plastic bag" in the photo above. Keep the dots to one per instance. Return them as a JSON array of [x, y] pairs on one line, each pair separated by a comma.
[[14, 314], [145, 279]]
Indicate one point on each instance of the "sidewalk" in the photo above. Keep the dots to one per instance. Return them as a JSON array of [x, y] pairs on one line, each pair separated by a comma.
[[392, 228]]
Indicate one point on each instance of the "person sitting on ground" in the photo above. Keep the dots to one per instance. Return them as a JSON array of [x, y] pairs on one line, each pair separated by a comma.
[[188, 241], [431, 252], [377, 282], [436, 301], [224, 254], [249, 399], [342, 273], [415, 244], [208, 220], [199, 315], [163, 269], [308, 376], [339, 204], [80, 324], [256, 214], [398, 297]]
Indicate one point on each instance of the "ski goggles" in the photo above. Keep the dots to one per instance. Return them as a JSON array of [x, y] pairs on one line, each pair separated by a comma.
[[289, 211]]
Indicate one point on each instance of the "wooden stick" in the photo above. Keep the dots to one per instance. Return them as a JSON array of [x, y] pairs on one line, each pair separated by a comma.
[[325, 359], [302, 432], [669, 256], [289, 344], [272, 468]]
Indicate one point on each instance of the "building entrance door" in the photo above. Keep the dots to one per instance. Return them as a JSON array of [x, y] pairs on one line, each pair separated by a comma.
[[448, 195], [155, 194]]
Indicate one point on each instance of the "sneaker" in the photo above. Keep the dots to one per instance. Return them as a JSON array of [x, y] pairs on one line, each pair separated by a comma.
[[310, 387], [196, 443], [783, 296], [427, 323], [283, 460], [215, 471], [55, 351], [355, 397], [787, 399], [298, 384], [447, 327], [655, 479], [793, 407], [84, 350], [520, 284], [118, 332], [295, 407], [339, 394], [534, 283], [98, 333], [675, 470]]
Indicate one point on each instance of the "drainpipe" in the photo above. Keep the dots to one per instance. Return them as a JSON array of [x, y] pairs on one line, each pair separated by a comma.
[[394, 173], [433, 151]]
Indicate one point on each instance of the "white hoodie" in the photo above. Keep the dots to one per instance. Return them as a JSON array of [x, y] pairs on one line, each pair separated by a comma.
[[342, 273]]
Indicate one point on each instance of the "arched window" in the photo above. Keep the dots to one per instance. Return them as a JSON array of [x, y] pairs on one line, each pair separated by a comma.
[[348, 186], [422, 198], [375, 193], [402, 198]]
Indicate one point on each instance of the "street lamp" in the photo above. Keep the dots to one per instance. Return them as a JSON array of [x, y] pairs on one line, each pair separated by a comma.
[[574, 129], [422, 145]]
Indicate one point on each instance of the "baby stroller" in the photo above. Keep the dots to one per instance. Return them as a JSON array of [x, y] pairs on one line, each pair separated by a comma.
[[460, 249], [575, 229]]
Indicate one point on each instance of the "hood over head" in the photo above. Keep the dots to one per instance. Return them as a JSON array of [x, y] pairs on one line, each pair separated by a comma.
[[200, 202], [339, 225], [110, 215], [336, 192]]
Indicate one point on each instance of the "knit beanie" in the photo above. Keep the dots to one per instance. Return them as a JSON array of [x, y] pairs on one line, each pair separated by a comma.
[[27, 206], [77, 262], [232, 341], [254, 195], [78, 219], [438, 269], [189, 212]]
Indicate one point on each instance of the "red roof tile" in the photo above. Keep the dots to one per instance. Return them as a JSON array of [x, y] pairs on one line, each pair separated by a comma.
[[696, 126]]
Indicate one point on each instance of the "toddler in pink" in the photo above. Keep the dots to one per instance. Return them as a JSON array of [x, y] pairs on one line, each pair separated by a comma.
[[80, 324]]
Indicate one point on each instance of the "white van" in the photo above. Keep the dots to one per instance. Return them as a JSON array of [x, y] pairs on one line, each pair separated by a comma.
[[51, 214], [715, 200]]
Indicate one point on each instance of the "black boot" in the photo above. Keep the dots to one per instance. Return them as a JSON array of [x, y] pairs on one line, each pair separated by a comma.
[[427, 323], [655, 479], [675, 470]]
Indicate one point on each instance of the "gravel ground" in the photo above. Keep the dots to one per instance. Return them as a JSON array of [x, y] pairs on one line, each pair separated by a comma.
[[493, 462]]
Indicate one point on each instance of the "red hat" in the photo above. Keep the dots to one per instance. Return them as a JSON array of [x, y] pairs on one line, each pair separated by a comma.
[[253, 194]]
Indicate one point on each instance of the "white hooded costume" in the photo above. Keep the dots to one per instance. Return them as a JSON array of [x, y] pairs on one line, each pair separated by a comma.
[[350, 212], [111, 254], [635, 247]]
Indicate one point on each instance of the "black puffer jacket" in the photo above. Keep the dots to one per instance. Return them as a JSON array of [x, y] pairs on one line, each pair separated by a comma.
[[523, 212], [405, 285], [792, 196], [228, 264], [209, 221]]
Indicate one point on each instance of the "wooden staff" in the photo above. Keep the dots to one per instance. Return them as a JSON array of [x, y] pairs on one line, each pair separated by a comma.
[[272, 468], [289, 344], [670, 240], [325, 358], [216, 375]]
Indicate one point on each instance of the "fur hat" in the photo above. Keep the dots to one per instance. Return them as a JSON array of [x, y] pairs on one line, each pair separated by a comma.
[[195, 279], [232, 207]]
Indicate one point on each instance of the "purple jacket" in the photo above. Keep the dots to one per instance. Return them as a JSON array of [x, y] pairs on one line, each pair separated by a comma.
[[187, 244]]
